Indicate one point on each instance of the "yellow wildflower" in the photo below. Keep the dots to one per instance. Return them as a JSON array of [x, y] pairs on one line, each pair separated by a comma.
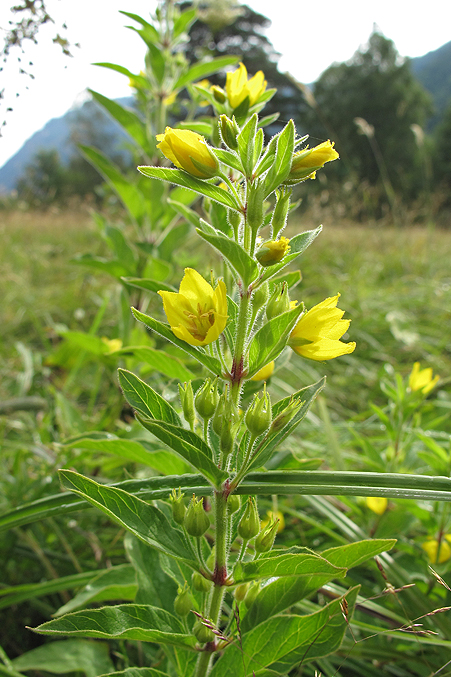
[[436, 555], [273, 251], [238, 87], [377, 504], [197, 314], [317, 334], [112, 344], [422, 379], [189, 151], [264, 373], [277, 516], [305, 163]]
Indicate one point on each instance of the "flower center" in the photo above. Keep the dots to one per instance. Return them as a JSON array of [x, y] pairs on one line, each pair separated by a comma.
[[199, 323]]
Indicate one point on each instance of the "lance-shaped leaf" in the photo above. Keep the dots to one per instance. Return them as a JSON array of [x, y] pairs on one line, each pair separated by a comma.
[[91, 658], [239, 259], [117, 583], [168, 365], [189, 214], [284, 592], [188, 445], [145, 399], [182, 178], [143, 520], [246, 139], [148, 284], [202, 70], [212, 363], [292, 562], [283, 158], [138, 622], [271, 339], [284, 641], [138, 672], [272, 440], [298, 244], [127, 118], [229, 159]]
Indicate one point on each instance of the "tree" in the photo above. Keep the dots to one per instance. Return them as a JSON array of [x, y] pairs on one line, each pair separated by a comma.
[[376, 85], [43, 180], [442, 155]]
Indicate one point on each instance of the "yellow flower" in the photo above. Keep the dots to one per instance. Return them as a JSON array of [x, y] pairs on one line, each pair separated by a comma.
[[318, 332], [422, 379], [197, 314], [112, 344], [436, 556], [278, 516], [189, 151], [306, 162], [238, 87], [377, 504], [264, 373], [273, 251]]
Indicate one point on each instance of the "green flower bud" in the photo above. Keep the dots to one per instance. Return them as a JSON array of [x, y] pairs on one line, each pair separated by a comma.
[[279, 217], [249, 524], [202, 633], [218, 93], [233, 503], [260, 296], [227, 439], [196, 519], [279, 302], [184, 602], [285, 416], [240, 591], [229, 131], [200, 583], [178, 506], [187, 401], [272, 251], [255, 200], [251, 595], [218, 418], [258, 416], [234, 219], [265, 539], [207, 398]]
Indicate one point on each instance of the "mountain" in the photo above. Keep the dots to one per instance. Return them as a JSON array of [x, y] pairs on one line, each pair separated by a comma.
[[433, 70], [59, 133]]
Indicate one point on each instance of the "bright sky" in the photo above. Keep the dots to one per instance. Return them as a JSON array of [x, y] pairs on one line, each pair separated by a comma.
[[309, 35]]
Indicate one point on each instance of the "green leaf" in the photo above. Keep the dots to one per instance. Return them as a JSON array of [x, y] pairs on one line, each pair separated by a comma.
[[283, 593], [270, 442], [145, 399], [144, 24], [190, 446], [148, 284], [293, 562], [170, 366], [118, 583], [137, 672], [182, 178], [141, 519], [111, 267], [121, 248], [139, 79], [155, 586], [91, 658], [89, 342], [128, 192], [298, 244], [134, 451], [127, 118], [246, 139], [184, 21], [189, 214], [212, 363], [202, 70], [240, 260], [282, 162], [229, 159], [138, 622], [271, 339], [285, 641]]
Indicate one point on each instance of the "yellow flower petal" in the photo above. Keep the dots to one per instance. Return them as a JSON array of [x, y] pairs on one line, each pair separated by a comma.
[[377, 504], [238, 87], [189, 151], [422, 379], [264, 373], [435, 554]]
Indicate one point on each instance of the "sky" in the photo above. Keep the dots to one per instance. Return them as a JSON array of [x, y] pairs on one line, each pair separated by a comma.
[[309, 35]]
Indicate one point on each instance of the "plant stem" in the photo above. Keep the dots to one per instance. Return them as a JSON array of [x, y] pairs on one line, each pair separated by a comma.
[[240, 339]]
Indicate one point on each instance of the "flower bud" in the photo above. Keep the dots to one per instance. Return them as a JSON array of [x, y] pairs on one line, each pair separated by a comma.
[[187, 401], [202, 633], [227, 439], [272, 252], [218, 93], [255, 200], [240, 591], [285, 416], [178, 507], [184, 602], [207, 399], [279, 302], [258, 416], [196, 519], [229, 131], [249, 524], [200, 583], [279, 217], [233, 503], [265, 539], [189, 151], [234, 218], [218, 418], [260, 296], [305, 163], [264, 373], [251, 595]]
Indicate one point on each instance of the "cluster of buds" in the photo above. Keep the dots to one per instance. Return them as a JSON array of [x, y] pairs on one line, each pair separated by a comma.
[[194, 518]]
